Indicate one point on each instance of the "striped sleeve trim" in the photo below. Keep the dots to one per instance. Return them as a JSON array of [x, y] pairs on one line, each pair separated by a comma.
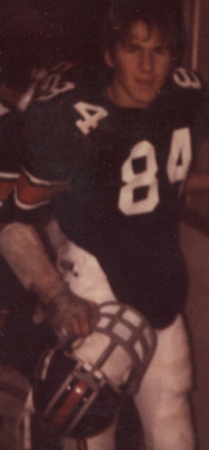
[[29, 195], [39, 182], [28, 206], [9, 176]]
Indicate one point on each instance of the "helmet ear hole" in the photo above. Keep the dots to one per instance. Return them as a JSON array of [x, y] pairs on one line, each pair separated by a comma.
[[51, 374], [101, 413]]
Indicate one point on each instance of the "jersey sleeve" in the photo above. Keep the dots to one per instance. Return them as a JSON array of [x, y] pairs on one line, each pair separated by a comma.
[[195, 105], [45, 143], [41, 142], [201, 134], [10, 158]]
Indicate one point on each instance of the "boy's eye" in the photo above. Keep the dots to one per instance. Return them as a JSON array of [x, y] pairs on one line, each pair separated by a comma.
[[160, 50], [133, 49]]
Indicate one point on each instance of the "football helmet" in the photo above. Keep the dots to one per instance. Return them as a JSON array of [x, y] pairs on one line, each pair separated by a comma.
[[80, 387]]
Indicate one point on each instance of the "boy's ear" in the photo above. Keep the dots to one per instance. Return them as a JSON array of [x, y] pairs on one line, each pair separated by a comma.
[[108, 59]]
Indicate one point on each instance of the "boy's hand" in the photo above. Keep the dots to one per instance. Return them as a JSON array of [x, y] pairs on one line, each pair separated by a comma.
[[71, 315]]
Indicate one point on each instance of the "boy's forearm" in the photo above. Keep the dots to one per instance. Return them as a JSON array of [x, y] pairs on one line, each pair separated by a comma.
[[25, 253]]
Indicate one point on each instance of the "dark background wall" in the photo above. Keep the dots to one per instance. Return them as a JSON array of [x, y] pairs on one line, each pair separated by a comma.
[[203, 45], [42, 32], [196, 18]]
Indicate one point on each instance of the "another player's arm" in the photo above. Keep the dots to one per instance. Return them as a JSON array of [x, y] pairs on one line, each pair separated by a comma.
[[24, 251]]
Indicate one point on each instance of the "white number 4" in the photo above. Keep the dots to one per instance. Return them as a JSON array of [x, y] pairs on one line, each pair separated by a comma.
[[91, 114]]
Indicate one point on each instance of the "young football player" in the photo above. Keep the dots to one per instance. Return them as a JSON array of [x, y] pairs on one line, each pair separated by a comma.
[[115, 162]]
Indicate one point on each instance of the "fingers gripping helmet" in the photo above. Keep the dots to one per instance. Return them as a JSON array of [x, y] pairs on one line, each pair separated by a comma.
[[78, 391]]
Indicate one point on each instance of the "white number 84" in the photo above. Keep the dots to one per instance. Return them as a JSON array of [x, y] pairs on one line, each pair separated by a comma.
[[177, 168]]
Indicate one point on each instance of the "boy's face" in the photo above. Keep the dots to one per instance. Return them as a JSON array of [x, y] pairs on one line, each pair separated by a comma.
[[140, 66]]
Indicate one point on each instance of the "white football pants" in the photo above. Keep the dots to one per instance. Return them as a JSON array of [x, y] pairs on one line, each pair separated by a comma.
[[162, 399]]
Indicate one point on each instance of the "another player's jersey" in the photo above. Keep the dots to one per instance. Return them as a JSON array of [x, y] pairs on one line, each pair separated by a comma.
[[10, 158], [123, 171], [45, 84]]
